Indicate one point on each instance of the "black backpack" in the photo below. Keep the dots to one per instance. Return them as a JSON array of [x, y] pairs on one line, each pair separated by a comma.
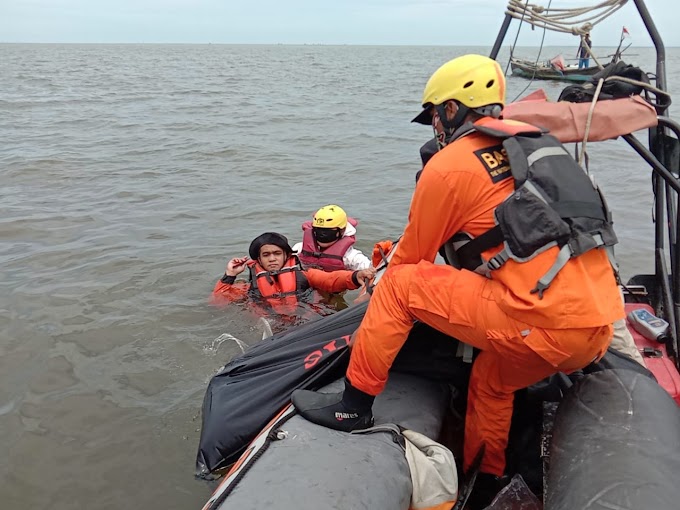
[[614, 88]]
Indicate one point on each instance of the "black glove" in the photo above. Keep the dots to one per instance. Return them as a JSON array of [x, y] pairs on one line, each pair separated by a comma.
[[346, 411]]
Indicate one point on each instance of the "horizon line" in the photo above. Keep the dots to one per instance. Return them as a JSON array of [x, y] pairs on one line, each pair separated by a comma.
[[307, 44]]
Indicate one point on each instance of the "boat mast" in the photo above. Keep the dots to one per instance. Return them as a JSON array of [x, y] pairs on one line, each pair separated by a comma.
[[500, 37]]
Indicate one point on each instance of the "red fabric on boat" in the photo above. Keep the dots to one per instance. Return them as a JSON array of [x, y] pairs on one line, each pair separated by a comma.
[[567, 121]]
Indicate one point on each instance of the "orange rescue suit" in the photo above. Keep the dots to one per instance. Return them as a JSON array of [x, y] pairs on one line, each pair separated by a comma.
[[523, 339]]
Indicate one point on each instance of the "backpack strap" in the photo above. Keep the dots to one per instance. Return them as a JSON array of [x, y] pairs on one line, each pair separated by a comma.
[[563, 257], [544, 281], [468, 254]]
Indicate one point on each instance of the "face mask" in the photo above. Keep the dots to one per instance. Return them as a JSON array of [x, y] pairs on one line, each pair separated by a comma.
[[325, 235]]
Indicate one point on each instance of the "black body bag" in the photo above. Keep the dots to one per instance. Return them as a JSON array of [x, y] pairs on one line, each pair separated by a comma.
[[253, 388]]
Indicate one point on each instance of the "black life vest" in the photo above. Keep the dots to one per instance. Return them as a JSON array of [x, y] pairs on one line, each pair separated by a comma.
[[555, 203]]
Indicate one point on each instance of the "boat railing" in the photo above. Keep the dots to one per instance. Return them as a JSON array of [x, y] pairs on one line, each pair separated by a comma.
[[663, 155]]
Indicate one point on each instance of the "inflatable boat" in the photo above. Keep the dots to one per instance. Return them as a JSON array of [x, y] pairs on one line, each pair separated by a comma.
[[605, 437], [613, 410]]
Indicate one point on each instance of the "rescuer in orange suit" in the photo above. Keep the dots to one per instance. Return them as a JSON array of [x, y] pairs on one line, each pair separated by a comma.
[[524, 335]]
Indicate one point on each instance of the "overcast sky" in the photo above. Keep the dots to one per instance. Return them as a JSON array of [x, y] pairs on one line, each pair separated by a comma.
[[408, 22]]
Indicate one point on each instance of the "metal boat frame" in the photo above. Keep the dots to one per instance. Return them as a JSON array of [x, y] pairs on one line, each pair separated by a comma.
[[662, 153]]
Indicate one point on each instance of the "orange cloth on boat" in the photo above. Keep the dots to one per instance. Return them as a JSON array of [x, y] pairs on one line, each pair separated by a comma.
[[567, 121], [523, 338]]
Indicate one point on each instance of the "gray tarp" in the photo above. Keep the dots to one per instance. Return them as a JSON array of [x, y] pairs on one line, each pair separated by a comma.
[[317, 468]]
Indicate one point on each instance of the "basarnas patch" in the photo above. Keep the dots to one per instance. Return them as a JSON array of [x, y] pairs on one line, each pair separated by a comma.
[[495, 161]]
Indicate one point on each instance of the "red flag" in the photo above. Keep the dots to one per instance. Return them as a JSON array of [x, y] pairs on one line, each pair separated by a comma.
[[625, 31], [558, 63]]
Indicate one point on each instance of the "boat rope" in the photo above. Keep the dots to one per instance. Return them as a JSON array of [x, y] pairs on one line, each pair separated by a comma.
[[646, 86], [514, 44], [576, 21], [540, 49], [588, 122]]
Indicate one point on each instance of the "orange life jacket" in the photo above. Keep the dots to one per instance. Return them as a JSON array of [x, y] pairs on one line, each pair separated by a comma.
[[279, 289]]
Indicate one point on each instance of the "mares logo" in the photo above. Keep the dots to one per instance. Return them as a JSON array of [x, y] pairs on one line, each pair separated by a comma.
[[346, 416], [495, 161], [314, 357]]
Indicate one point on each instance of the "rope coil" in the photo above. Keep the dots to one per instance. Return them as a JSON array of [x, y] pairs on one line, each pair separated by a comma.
[[576, 21]]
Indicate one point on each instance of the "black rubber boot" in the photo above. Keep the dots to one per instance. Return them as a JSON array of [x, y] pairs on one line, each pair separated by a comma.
[[346, 411]]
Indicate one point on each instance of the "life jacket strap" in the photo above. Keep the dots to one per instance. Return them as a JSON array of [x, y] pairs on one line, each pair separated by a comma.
[[612, 259], [319, 254], [545, 152], [469, 253], [609, 250], [544, 282], [465, 351], [288, 269], [279, 295], [498, 260]]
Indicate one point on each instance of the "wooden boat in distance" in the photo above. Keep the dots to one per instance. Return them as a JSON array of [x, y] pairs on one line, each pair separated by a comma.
[[550, 71]]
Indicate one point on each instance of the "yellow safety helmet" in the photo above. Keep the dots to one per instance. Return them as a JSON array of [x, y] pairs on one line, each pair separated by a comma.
[[472, 80], [330, 216]]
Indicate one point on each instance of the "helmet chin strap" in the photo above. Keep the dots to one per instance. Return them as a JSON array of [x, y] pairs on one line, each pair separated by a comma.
[[451, 125]]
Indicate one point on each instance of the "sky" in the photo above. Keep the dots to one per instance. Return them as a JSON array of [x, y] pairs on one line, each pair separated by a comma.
[[372, 22]]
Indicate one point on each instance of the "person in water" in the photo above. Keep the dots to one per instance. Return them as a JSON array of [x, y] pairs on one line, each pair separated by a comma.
[[328, 242], [584, 52], [524, 331], [276, 278]]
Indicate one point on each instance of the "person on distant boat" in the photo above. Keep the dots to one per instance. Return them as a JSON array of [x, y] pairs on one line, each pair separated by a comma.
[[276, 278], [530, 318], [328, 242], [584, 53]]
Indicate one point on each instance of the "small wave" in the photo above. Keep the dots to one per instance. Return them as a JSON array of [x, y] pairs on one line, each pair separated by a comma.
[[213, 347]]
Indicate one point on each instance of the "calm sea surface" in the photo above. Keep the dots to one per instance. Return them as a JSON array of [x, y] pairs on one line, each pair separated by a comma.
[[129, 175]]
